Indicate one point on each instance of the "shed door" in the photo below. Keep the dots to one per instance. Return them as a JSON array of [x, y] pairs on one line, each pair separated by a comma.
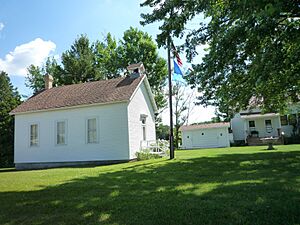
[[207, 138]]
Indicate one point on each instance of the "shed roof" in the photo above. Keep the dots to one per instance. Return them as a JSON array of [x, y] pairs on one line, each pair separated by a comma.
[[205, 126]]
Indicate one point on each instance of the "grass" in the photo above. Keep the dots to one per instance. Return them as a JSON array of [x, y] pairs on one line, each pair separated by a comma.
[[246, 185]]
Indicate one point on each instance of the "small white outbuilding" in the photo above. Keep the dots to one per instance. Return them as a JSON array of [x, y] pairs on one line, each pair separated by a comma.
[[212, 135]]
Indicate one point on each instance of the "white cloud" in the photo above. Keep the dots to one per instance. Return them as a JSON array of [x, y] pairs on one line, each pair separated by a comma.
[[1, 26], [34, 52]]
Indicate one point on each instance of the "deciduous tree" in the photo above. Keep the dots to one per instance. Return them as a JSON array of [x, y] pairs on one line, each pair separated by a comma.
[[182, 105], [253, 48], [86, 61]]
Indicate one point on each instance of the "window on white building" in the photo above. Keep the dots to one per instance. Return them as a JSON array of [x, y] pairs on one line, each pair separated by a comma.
[[34, 136], [143, 119], [251, 123], [61, 133], [269, 127], [92, 136]]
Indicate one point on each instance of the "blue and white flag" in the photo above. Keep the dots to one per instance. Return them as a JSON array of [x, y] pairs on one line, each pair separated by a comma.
[[177, 69]]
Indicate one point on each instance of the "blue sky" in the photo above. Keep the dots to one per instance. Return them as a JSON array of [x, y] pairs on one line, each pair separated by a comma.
[[32, 30], [61, 22]]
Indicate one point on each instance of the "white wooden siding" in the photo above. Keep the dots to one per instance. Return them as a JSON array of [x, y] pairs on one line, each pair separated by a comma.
[[261, 127], [140, 105], [211, 138], [112, 133], [240, 126], [237, 126]]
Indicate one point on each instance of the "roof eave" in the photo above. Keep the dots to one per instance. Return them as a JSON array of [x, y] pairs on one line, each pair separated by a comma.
[[148, 87], [67, 107], [259, 116], [151, 95]]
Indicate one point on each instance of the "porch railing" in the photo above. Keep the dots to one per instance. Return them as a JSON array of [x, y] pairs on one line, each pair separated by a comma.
[[155, 146]]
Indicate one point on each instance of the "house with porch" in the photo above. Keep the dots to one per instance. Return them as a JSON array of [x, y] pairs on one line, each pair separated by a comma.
[[251, 125]]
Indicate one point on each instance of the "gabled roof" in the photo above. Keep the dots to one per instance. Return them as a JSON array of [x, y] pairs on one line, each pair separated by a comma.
[[97, 92], [204, 126]]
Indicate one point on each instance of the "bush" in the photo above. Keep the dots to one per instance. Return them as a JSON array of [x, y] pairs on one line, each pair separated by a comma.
[[238, 143], [145, 155], [294, 139]]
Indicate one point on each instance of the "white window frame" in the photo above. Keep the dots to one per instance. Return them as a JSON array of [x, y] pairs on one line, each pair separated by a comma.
[[66, 132], [269, 127], [38, 135], [87, 132], [144, 127]]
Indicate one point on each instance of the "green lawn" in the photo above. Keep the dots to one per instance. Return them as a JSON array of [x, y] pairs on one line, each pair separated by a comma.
[[246, 185]]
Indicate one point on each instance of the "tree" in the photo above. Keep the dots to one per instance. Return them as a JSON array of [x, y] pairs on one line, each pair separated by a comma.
[[79, 63], [183, 106], [162, 131], [9, 99], [253, 53], [138, 46], [135, 46], [35, 78], [105, 59], [35, 75]]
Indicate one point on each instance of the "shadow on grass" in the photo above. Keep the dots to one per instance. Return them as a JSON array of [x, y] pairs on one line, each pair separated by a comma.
[[261, 188], [5, 170]]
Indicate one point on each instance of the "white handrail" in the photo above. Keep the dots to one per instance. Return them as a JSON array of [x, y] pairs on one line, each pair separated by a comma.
[[155, 146]]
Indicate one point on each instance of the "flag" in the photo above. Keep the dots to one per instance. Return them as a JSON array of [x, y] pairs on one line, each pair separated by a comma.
[[179, 62], [177, 69]]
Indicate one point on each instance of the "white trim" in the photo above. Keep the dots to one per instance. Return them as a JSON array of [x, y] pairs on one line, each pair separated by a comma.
[[66, 132], [259, 116], [150, 94], [202, 128], [134, 92], [143, 117]]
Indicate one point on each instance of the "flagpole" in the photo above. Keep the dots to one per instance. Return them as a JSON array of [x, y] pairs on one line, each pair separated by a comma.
[[171, 137]]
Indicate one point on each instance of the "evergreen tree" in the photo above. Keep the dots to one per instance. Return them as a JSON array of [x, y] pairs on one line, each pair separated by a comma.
[[9, 99], [79, 63]]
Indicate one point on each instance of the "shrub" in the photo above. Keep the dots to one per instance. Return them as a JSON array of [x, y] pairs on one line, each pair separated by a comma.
[[238, 143], [294, 139], [146, 154]]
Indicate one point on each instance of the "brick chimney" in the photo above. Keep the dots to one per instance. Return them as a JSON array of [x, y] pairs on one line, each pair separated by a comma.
[[48, 81], [136, 70]]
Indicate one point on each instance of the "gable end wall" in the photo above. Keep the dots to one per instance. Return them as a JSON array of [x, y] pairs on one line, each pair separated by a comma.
[[140, 104]]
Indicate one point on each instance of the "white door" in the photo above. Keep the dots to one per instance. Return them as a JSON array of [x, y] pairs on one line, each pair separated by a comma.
[[206, 138]]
